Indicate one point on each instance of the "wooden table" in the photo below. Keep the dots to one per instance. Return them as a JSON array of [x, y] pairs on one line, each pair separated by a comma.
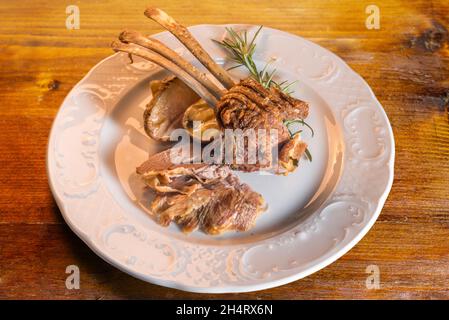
[[406, 62]]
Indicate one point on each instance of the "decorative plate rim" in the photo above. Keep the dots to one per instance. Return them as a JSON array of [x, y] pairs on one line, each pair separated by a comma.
[[254, 282]]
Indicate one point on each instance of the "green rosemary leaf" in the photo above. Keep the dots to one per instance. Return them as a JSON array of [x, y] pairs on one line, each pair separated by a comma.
[[270, 78], [234, 67], [287, 86], [287, 123], [252, 44], [307, 125], [308, 154], [280, 84]]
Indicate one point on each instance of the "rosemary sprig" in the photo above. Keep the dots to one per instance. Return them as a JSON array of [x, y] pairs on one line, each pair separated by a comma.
[[242, 49]]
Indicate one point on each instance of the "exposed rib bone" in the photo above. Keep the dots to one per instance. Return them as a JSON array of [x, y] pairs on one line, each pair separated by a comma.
[[171, 55], [186, 38], [170, 66]]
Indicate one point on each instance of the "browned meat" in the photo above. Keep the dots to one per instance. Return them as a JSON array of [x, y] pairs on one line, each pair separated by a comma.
[[248, 105], [161, 175], [215, 207], [202, 196]]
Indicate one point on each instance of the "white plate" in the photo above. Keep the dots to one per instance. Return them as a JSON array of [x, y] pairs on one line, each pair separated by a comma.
[[315, 215]]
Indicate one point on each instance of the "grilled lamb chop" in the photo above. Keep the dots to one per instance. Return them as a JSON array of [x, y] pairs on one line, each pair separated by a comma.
[[246, 105], [249, 105], [202, 196]]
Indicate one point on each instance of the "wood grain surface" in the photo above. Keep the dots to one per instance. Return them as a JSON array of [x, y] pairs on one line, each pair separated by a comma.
[[406, 62]]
